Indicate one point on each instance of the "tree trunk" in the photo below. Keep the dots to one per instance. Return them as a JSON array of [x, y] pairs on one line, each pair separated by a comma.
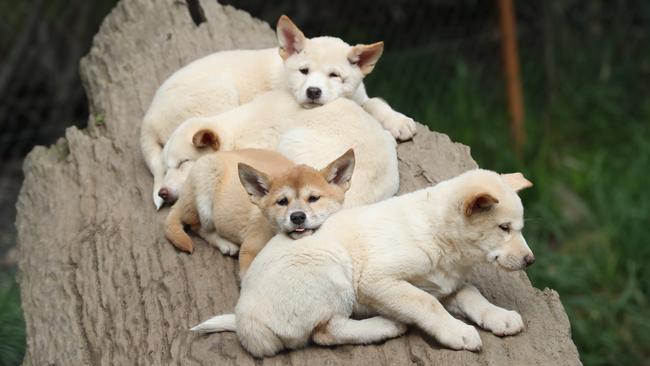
[[102, 286]]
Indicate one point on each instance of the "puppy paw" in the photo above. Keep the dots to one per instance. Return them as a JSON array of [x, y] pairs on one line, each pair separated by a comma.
[[400, 126], [502, 322], [226, 247], [459, 336], [157, 201], [392, 328]]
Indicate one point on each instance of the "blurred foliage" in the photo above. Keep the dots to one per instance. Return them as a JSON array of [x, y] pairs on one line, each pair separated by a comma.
[[586, 72]]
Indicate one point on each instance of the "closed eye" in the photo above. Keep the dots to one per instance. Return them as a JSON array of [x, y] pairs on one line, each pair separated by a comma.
[[505, 227], [334, 75], [282, 201], [183, 162]]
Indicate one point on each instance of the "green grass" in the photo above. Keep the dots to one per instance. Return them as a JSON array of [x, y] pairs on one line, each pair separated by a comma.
[[12, 326], [587, 152]]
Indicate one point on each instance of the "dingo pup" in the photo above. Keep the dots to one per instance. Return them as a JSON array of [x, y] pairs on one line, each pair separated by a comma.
[[290, 199], [314, 137], [315, 71], [381, 258]]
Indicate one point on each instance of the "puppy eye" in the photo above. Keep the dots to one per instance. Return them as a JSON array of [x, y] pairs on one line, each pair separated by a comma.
[[313, 199], [334, 75], [283, 201], [183, 162], [304, 70], [505, 227]]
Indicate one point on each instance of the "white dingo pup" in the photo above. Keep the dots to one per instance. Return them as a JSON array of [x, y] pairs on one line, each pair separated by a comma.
[[315, 71], [314, 137], [380, 258], [284, 198]]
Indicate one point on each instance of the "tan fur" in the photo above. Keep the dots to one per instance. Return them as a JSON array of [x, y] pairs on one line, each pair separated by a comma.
[[217, 206]]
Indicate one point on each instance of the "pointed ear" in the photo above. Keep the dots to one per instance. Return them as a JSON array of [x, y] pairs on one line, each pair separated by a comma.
[[290, 38], [340, 171], [206, 138], [366, 56], [478, 203], [517, 181], [256, 183]]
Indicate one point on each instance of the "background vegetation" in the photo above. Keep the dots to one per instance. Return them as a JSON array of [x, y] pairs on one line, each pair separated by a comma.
[[586, 74]]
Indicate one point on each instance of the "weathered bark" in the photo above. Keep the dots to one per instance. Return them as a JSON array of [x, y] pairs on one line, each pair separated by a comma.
[[101, 285]]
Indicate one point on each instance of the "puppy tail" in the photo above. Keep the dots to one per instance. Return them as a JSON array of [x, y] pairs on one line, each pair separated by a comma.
[[219, 323], [174, 229]]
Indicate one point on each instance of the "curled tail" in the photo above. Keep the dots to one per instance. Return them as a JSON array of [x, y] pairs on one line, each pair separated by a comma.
[[219, 323], [174, 230]]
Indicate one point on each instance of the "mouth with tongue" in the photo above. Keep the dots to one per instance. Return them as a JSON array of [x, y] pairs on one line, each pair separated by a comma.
[[300, 231]]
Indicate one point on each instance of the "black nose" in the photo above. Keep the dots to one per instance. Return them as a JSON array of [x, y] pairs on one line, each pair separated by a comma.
[[298, 217], [163, 193], [313, 92], [529, 259]]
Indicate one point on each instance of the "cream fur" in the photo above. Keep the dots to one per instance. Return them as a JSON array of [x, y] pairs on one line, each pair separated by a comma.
[[313, 137], [381, 258], [227, 79]]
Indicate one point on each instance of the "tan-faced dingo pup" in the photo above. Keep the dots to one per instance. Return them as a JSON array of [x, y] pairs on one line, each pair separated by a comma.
[[284, 198], [381, 258]]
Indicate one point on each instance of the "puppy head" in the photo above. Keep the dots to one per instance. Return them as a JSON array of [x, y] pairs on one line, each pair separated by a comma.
[[298, 201], [185, 146], [320, 70], [492, 218]]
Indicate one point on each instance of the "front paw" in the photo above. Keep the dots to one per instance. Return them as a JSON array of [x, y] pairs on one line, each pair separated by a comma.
[[393, 329], [157, 201], [459, 336], [226, 247], [502, 322], [400, 126]]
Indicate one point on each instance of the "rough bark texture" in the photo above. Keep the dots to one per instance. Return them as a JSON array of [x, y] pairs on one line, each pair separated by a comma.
[[101, 285]]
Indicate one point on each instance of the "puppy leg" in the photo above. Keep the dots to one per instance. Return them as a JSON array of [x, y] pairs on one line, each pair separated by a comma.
[[469, 302], [340, 330], [182, 212], [225, 246], [399, 125], [252, 245], [403, 301]]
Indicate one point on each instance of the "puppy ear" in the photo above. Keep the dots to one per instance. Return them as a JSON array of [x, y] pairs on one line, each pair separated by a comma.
[[206, 138], [366, 56], [517, 181], [478, 203], [256, 183], [290, 38], [340, 171]]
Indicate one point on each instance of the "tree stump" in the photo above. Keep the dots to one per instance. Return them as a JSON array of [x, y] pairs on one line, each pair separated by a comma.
[[102, 286]]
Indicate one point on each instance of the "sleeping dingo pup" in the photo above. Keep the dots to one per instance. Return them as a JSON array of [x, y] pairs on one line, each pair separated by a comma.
[[380, 259], [285, 198], [315, 71], [314, 137]]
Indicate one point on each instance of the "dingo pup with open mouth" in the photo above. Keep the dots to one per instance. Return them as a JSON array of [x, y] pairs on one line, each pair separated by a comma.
[[284, 198]]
